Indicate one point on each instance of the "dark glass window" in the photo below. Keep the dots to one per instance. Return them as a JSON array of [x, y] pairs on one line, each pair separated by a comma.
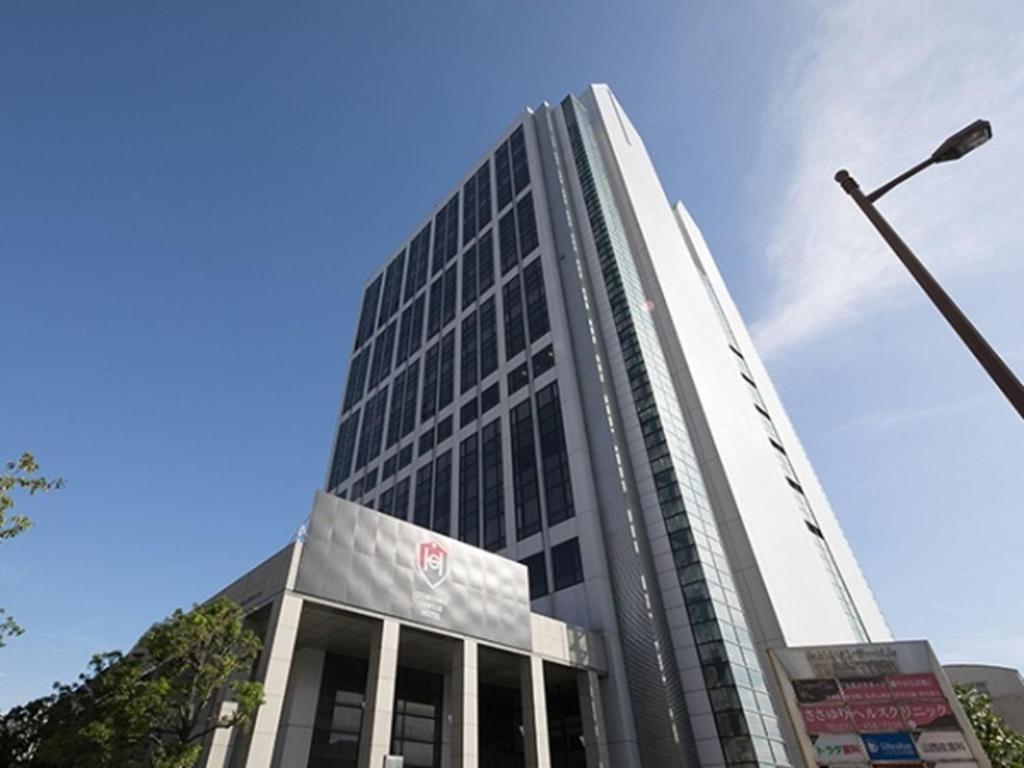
[[468, 210], [389, 467], [401, 507], [440, 236], [469, 491], [536, 304], [524, 471], [405, 456], [543, 361], [469, 276], [483, 196], [468, 413], [410, 335], [416, 730], [383, 350], [392, 289], [370, 481], [419, 262], [485, 261], [526, 220], [503, 175], [386, 502], [446, 383], [451, 282], [371, 432], [442, 522], [468, 362], [520, 168], [356, 379], [424, 485], [444, 429], [538, 574], [507, 245], [493, 486], [434, 309], [344, 450], [519, 377], [488, 338], [356, 491], [554, 458], [566, 567], [515, 332], [395, 411], [426, 442], [368, 314], [428, 401], [452, 235], [489, 398], [339, 713], [412, 375]]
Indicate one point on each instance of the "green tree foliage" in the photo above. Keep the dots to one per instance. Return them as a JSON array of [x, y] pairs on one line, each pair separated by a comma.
[[150, 708], [1004, 746], [21, 475]]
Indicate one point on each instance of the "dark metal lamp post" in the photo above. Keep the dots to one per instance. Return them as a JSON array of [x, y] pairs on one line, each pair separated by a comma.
[[953, 148]]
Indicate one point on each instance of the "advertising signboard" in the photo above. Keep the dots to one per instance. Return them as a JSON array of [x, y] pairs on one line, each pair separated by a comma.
[[879, 704], [360, 557]]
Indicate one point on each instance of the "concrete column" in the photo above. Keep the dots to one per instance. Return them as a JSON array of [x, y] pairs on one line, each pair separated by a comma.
[[220, 741], [535, 713], [465, 706], [381, 672], [595, 740], [295, 736], [276, 660]]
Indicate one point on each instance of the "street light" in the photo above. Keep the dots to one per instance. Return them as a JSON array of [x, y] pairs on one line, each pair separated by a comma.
[[953, 148]]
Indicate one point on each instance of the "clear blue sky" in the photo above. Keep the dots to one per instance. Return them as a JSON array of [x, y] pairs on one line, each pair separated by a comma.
[[192, 194]]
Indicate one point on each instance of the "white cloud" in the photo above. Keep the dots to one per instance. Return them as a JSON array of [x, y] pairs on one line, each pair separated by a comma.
[[874, 87]]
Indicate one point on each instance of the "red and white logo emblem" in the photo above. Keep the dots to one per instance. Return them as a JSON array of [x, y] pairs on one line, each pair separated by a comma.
[[433, 563]]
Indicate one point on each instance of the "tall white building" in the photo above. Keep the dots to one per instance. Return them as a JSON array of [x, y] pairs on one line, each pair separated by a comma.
[[550, 367]]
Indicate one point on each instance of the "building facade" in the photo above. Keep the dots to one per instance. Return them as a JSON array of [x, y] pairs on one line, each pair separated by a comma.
[[551, 368], [1003, 685]]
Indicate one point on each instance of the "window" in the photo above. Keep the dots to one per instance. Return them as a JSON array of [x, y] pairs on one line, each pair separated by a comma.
[[468, 363], [543, 361], [566, 567], [483, 196], [434, 308], [370, 481], [421, 506], [428, 401], [387, 501], [493, 486], [392, 289], [446, 381], [469, 210], [503, 175], [416, 730], [440, 238], [444, 429], [452, 235], [401, 504], [451, 276], [395, 411], [442, 519], [468, 413], [536, 305], [524, 471], [485, 261], [469, 491], [537, 575], [519, 377], [389, 467], [488, 338], [344, 450], [339, 713], [412, 376], [368, 314], [383, 349], [554, 458], [410, 334], [426, 442], [526, 222], [507, 245], [373, 425], [520, 168], [405, 456], [490, 398], [469, 276], [356, 379], [515, 333], [419, 265]]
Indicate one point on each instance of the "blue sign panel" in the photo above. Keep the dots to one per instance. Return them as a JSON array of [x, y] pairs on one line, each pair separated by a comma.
[[896, 747]]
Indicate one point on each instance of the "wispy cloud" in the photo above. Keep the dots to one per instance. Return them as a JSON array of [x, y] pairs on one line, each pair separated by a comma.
[[873, 88], [880, 421]]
